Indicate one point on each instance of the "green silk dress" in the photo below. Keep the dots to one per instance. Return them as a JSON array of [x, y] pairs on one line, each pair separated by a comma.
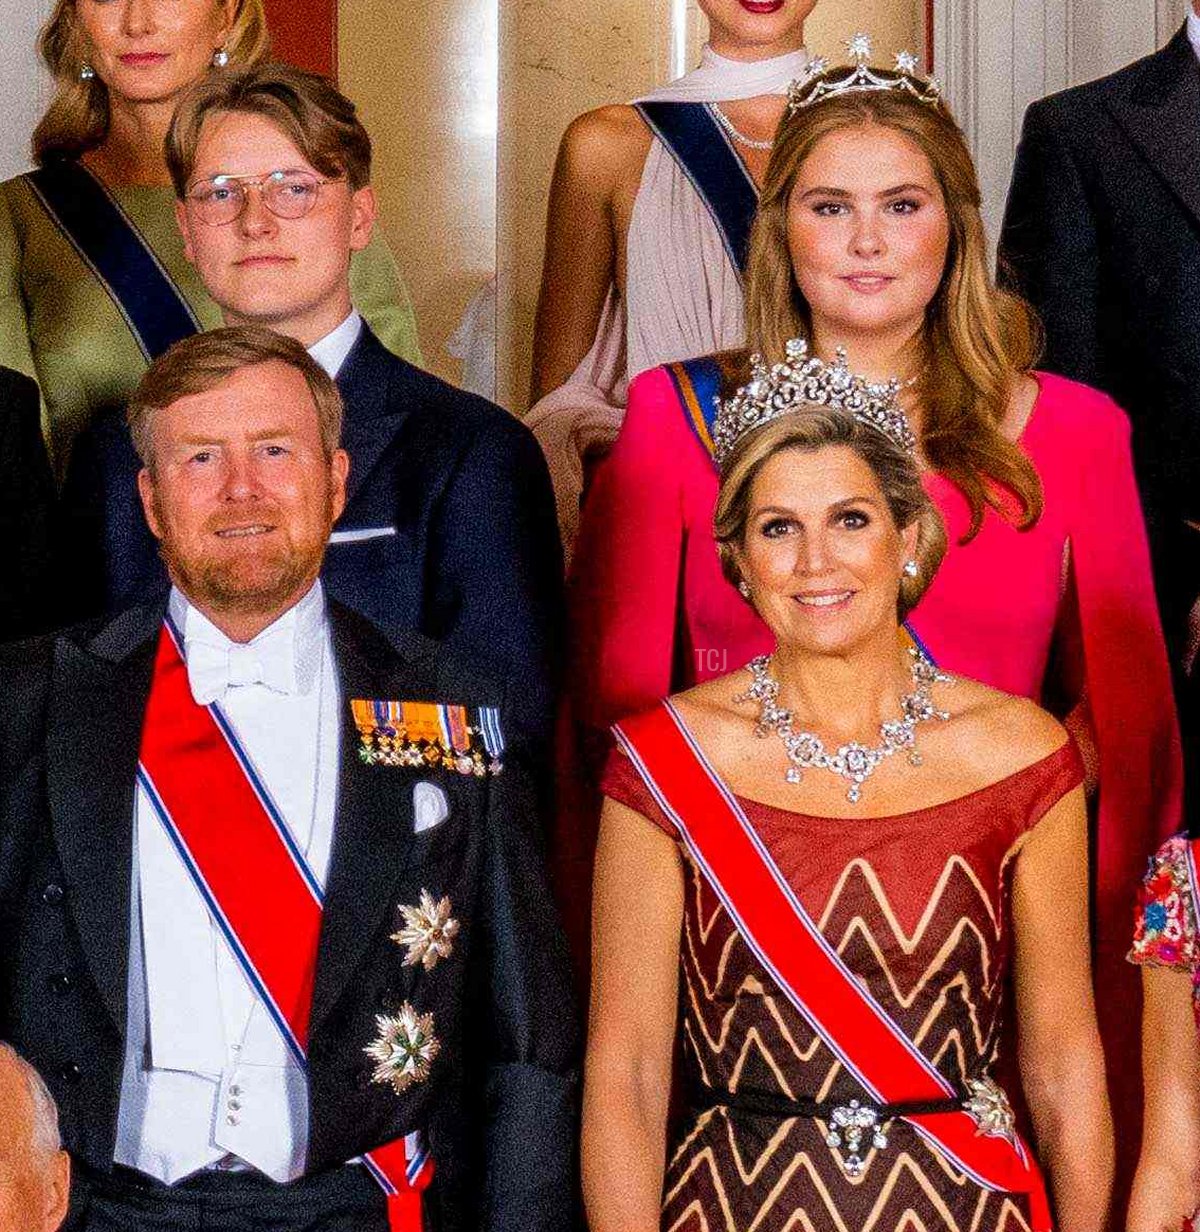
[[59, 325]]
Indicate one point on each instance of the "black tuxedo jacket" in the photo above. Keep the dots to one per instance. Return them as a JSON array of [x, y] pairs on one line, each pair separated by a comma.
[[1102, 235], [26, 510], [499, 1105], [449, 527]]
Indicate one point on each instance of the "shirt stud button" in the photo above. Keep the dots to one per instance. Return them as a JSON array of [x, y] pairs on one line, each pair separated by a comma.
[[231, 1119]]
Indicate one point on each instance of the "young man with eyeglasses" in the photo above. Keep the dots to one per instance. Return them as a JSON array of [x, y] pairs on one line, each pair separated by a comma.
[[449, 527]]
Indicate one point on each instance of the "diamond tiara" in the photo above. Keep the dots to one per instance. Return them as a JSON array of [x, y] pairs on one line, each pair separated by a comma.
[[814, 84], [804, 380]]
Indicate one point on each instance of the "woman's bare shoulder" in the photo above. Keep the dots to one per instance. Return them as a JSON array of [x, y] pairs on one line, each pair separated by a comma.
[[1002, 732], [602, 145]]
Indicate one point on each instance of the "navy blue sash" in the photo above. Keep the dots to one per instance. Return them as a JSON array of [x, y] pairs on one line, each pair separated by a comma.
[[116, 252], [702, 150]]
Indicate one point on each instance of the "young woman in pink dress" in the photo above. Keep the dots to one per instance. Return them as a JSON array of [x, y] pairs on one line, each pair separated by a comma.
[[869, 237]]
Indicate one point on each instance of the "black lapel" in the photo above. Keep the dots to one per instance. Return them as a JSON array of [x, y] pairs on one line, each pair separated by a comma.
[[373, 832], [1161, 114], [98, 700], [366, 384]]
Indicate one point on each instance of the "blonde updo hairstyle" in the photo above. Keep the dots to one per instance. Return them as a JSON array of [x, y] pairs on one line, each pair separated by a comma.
[[807, 430], [78, 116], [978, 340]]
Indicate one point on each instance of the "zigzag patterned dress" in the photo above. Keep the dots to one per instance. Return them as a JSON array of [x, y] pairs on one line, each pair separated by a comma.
[[918, 907]]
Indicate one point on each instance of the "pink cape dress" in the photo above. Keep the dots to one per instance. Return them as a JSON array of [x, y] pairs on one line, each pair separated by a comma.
[[652, 614]]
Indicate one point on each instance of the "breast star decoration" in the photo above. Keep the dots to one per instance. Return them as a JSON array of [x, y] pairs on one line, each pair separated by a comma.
[[428, 933], [405, 1049]]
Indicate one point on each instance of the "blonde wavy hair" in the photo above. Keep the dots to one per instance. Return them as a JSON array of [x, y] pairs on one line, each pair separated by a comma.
[[977, 340], [78, 116]]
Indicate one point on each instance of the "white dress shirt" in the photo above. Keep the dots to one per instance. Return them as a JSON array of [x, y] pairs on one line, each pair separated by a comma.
[[331, 351], [1193, 29], [207, 1074]]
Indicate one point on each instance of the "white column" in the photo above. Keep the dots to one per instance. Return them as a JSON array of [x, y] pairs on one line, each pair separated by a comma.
[[26, 86]]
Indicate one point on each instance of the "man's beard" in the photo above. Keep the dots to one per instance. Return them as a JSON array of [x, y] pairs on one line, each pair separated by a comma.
[[261, 584]]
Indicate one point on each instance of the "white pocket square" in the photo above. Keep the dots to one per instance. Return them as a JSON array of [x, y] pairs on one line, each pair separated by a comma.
[[430, 807], [361, 534]]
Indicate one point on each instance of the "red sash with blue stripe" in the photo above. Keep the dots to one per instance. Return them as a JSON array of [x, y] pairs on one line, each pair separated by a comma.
[[222, 820], [808, 970]]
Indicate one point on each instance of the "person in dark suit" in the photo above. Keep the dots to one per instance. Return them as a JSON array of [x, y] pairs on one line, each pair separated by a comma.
[[450, 526], [1102, 236], [27, 501], [270, 890]]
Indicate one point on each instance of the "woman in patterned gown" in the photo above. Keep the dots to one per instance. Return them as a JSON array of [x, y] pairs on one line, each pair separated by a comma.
[[833, 961], [1166, 945]]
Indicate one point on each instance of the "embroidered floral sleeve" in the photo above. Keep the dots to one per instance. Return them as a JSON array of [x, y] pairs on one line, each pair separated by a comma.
[[1165, 928]]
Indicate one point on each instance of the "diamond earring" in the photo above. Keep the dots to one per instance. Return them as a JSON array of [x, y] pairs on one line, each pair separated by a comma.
[[87, 73], [744, 589], [220, 58], [911, 568]]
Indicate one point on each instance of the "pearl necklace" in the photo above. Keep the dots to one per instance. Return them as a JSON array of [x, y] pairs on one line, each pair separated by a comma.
[[740, 137], [854, 762]]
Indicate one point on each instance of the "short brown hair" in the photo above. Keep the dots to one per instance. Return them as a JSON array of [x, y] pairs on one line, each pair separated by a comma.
[[77, 118], [201, 362], [320, 121], [808, 429]]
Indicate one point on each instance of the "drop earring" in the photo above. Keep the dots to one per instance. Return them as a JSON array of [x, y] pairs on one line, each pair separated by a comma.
[[911, 569], [87, 73], [220, 58]]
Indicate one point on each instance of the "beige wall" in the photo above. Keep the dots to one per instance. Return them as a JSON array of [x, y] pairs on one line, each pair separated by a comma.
[[561, 57], [423, 73], [432, 76]]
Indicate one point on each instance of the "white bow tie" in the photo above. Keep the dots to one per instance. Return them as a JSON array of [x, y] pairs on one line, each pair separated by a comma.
[[213, 670]]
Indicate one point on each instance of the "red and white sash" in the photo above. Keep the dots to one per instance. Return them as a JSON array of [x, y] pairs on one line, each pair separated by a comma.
[[785, 939], [221, 820]]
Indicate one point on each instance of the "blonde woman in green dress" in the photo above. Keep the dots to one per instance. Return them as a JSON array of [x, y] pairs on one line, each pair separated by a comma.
[[93, 278]]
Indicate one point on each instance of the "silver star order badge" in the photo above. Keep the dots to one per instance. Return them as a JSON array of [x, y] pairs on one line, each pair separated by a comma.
[[989, 1108], [429, 931], [405, 1049]]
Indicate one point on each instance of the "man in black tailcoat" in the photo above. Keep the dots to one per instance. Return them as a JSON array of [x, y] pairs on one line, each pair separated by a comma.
[[143, 913]]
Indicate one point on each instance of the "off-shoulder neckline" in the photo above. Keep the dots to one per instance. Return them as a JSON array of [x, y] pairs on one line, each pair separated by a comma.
[[1062, 752]]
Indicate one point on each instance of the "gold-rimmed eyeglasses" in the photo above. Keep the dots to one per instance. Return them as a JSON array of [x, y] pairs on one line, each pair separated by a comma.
[[287, 194]]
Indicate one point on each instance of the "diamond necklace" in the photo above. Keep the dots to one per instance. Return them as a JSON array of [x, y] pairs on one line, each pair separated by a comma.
[[736, 133], [854, 762]]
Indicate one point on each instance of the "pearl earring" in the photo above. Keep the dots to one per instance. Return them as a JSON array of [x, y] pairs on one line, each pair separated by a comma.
[[911, 568], [220, 58], [87, 73]]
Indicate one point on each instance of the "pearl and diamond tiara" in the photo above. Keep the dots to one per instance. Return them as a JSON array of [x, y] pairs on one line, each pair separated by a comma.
[[804, 380], [817, 82]]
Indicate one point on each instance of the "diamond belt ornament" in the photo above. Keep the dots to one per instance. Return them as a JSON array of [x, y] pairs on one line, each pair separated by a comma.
[[405, 1049], [428, 933], [855, 1128]]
